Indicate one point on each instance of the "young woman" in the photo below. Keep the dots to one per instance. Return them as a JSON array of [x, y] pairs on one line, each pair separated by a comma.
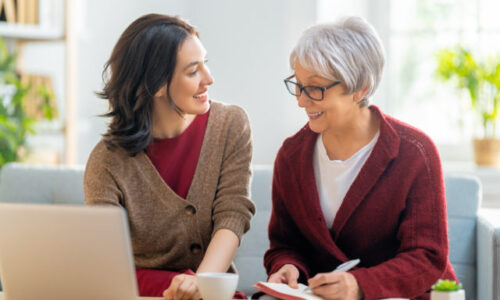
[[354, 182], [177, 162]]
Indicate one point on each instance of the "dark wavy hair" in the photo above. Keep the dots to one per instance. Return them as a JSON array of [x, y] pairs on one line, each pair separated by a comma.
[[142, 62]]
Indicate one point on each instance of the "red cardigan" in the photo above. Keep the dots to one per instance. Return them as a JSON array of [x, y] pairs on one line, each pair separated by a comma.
[[393, 216]]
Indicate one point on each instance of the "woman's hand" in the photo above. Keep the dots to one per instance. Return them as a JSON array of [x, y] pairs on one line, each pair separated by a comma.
[[288, 274], [183, 287], [336, 285]]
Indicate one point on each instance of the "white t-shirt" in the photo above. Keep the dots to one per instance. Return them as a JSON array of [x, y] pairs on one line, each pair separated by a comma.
[[334, 177]]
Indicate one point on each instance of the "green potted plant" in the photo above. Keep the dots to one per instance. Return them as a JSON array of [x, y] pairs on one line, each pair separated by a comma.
[[481, 82], [447, 290], [15, 123]]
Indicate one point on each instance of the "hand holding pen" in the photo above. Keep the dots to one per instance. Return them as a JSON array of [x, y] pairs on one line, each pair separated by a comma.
[[337, 284]]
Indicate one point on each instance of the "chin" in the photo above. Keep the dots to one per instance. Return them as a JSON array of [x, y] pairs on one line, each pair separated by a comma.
[[205, 107], [316, 127], [199, 108]]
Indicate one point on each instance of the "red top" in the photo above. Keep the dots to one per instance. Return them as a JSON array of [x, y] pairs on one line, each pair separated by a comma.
[[393, 217], [176, 158]]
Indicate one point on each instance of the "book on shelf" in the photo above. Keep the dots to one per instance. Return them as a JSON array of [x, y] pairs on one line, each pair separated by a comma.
[[8, 10], [31, 12], [283, 291], [19, 11], [21, 8]]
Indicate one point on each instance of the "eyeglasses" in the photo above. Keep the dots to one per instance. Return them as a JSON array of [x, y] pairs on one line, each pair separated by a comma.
[[316, 93]]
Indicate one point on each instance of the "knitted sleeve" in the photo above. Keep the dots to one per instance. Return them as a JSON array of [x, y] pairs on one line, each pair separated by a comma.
[[99, 184], [232, 207], [287, 245]]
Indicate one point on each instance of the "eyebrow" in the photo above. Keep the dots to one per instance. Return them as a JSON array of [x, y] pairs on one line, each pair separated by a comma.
[[315, 76], [309, 77], [194, 63]]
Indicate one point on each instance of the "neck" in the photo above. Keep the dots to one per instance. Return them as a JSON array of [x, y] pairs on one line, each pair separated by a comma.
[[344, 142], [168, 123]]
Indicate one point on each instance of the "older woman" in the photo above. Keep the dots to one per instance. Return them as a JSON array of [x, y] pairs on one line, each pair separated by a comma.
[[354, 182]]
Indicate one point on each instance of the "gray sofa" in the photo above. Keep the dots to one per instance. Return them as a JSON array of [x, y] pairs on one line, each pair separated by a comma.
[[474, 234]]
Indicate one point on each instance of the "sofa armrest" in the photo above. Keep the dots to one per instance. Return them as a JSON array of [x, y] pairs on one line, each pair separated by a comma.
[[488, 254]]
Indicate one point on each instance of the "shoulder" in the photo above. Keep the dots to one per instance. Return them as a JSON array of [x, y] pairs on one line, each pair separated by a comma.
[[104, 157], [223, 111], [411, 137], [416, 148], [297, 143], [229, 117]]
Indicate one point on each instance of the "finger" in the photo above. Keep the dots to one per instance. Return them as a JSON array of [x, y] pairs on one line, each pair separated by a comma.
[[276, 278], [190, 292], [317, 280], [197, 295], [167, 294], [185, 290], [324, 278], [329, 291], [291, 278], [174, 287]]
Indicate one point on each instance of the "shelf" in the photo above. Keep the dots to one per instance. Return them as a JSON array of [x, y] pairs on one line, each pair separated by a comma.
[[27, 31]]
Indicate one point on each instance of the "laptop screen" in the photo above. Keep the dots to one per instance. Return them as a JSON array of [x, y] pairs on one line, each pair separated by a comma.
[[65, 252]]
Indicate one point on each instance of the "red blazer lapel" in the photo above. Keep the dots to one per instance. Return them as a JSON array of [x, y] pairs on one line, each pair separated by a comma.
[[385, 150], [315, 223]]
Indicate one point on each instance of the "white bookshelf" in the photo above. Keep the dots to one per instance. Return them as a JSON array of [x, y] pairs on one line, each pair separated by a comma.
[[48, 36], [30, 32], [50, 23]]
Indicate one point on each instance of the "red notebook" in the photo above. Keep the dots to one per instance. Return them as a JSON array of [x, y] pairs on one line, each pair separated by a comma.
[[283, 291]]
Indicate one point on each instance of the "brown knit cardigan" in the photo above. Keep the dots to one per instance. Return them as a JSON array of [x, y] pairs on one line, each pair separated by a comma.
[[167, 231]]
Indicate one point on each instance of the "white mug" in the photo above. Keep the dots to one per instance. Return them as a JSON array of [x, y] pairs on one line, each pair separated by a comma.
[[217, 286]]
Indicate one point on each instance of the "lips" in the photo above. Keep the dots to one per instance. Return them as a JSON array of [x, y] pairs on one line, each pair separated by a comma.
[[202, 97], [314, 115]]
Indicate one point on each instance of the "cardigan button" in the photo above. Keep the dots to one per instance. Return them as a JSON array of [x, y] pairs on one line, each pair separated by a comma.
[[190, 210], [195, 248]]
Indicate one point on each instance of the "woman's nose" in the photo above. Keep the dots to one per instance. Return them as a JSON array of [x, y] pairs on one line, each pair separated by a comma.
[[303, 100], [208, 79]]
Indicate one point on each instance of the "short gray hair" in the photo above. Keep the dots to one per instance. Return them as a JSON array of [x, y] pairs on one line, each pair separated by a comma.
[[348, 50]]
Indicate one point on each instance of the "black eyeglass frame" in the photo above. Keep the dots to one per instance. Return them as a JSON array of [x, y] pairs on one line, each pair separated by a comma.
[[303, 88]]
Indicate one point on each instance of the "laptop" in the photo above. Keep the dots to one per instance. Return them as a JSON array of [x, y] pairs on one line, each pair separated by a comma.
[[57, 252]]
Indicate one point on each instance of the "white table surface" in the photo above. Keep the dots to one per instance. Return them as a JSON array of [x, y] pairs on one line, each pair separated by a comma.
[[140, 298]]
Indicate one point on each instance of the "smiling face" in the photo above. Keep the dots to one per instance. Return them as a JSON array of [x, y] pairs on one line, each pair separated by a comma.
[[335, 112], [189, 86]]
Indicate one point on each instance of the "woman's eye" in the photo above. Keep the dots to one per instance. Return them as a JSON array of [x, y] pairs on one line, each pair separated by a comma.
[[193, 73]]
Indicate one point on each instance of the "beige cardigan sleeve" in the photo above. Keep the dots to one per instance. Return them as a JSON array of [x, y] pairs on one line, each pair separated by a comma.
[[99, 183], [232, 207]]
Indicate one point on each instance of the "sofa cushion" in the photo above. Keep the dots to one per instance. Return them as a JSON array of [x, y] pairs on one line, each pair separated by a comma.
[[20, 183]]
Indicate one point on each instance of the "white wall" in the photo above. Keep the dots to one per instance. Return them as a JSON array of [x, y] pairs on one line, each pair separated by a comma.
[[248, 43], [98, 28]]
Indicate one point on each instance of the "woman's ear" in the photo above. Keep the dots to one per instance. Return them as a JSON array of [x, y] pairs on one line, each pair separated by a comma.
[[360, 95], [162, 92]]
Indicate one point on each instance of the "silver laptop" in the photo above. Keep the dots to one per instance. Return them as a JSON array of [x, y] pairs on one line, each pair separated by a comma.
[[54, 252]]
